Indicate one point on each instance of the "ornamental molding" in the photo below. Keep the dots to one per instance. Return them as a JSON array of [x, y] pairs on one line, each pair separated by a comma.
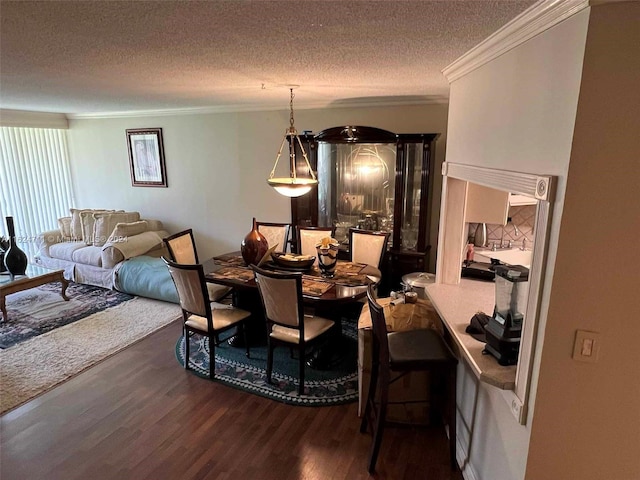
[[533, 21]]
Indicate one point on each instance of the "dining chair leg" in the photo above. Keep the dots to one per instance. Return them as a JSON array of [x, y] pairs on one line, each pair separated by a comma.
[[301, 362], [212, 357], [371, 396], [244, 336], [379, 420], [186, 348], [269, 358]]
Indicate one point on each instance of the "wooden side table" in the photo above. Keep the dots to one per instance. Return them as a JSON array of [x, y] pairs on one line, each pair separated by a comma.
[[35, 277]]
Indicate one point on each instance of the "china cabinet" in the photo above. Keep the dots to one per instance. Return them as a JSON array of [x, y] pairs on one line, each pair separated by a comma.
[[372, 179]]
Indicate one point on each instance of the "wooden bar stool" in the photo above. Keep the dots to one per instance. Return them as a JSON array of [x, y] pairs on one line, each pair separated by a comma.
[[404, 352]]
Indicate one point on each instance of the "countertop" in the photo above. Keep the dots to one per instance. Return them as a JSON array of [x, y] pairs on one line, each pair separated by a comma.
[[511, 256], [456, 304]]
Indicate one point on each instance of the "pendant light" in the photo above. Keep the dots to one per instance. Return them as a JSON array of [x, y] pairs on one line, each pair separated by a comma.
[[292, 186]]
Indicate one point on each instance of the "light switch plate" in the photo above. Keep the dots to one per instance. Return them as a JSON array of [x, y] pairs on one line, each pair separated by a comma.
[[586, 347]]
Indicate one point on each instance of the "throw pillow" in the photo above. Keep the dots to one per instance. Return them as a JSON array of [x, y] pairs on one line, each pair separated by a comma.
[[87, 220], [64, 224], [106, 222], [76, 221], [124, 230]]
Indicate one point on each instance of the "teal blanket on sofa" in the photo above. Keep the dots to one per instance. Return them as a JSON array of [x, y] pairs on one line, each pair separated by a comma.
[[146, 277]]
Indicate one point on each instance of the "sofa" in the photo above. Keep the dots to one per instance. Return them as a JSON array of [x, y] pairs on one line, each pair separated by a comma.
[[91, 245]]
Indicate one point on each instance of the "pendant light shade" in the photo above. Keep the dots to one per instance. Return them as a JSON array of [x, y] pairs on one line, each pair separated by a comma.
[[292, 186]]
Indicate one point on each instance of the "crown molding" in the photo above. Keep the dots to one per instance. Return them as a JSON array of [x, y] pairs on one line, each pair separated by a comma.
[[536, 19], [355, 103], [26, 119]]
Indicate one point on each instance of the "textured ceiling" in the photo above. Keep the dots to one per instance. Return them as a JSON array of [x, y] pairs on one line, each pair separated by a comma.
[[121, 56]]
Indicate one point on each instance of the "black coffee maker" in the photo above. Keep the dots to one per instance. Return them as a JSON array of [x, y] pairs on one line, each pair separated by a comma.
[[504, 329]]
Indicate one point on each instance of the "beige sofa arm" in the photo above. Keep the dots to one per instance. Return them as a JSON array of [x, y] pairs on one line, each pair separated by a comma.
[[46, 239]]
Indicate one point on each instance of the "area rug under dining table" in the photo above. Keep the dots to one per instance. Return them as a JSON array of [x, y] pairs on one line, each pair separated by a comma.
[[335, 385]]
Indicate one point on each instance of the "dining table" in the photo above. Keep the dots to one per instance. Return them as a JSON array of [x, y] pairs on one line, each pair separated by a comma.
[[348, 284], [330, 297]]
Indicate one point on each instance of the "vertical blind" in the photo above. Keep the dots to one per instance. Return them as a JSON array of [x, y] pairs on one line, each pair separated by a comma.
[[35, 182]]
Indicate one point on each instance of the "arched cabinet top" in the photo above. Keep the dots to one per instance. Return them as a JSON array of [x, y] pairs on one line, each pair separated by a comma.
[[355, 134]]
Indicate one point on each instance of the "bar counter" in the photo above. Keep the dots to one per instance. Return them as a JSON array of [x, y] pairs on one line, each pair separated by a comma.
[[456, 304]]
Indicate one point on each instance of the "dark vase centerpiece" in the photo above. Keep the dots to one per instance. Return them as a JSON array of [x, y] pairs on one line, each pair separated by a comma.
[[254, 246], [14, 259], [327, 256], [4, 246]]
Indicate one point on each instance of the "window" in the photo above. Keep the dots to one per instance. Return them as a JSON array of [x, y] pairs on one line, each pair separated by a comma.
[[35, 181]]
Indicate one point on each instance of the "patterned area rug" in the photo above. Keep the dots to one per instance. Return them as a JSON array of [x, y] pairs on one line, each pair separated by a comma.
[[334, 386], [40, 310], [36, 365]]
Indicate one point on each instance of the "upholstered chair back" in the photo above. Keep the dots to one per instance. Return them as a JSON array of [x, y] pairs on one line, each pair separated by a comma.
[[182, 250], [276, 234], [190, 284], [280, 299], [368, 247], [308, 238], [182, 247]]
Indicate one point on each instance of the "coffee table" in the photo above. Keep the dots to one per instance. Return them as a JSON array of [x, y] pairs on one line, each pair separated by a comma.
[[35, 277]]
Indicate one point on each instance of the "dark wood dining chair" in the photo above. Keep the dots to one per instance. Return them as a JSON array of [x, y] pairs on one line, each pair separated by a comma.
[[182, 249], [200, 316], [368, 247], [287, 324], [404, 352], [276, 234]]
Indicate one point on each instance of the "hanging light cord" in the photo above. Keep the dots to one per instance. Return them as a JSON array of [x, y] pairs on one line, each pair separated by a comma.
[[292, 129], [293, 133]]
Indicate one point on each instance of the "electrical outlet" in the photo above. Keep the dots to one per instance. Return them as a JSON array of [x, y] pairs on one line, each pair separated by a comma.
[[586, 346]]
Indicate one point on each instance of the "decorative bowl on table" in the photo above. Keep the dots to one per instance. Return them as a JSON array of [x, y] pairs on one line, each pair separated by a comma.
[[292, 261]]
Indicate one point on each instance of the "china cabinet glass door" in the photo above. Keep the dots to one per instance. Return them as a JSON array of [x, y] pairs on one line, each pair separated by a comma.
[[372, 179]]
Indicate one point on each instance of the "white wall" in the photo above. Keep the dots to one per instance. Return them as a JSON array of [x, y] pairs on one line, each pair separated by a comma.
[[217, 165], [515, 113], [565, 103]]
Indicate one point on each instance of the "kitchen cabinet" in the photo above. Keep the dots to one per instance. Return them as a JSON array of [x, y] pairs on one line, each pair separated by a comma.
[[491, 206], [516, 200], [486, 205], [376, 180]]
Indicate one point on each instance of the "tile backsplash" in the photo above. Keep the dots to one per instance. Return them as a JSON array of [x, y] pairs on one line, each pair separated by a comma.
[[523, 217]]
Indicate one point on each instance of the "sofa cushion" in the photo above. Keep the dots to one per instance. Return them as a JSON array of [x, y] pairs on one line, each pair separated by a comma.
[[89, 255], [64, 224], [123, 230], [87, 220], [106, 222], [64, 250], [76, 221]]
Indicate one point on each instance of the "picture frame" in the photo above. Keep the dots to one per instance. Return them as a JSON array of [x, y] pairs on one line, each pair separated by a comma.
[[146, 157]]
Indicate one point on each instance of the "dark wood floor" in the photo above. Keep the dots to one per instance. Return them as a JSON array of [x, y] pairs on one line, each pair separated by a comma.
[[138, 415]]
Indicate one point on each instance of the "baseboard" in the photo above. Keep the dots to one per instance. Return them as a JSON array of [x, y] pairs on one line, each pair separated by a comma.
[[467, 470]]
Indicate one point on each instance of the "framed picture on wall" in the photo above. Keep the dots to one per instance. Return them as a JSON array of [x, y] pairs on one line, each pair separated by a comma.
[[146, 157]]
